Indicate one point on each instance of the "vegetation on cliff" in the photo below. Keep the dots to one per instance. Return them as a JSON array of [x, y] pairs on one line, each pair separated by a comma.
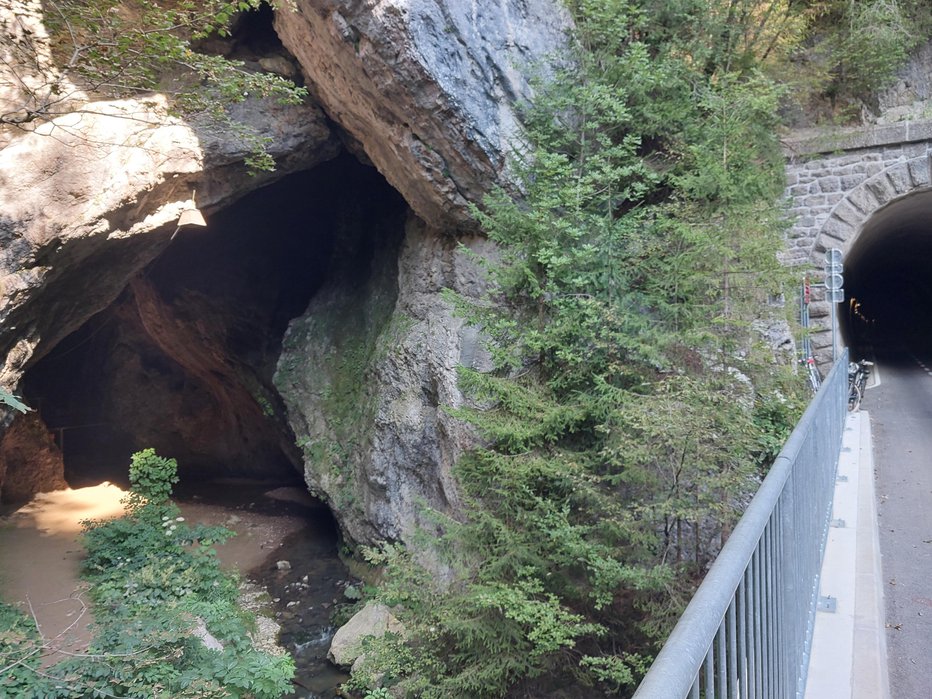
[[633, 407], [101, 49]]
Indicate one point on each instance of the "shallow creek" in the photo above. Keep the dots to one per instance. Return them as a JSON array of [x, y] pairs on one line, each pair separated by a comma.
[[285, 541]]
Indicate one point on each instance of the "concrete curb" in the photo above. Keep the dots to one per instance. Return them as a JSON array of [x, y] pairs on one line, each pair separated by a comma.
[[849, 655]]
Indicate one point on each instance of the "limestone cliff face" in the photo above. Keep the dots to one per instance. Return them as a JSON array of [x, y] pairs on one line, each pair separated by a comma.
[[429, 88], [427, 91], [366, 374], [91, 198]]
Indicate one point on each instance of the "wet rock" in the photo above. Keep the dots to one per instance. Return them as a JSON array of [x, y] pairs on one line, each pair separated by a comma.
[[283, 565]]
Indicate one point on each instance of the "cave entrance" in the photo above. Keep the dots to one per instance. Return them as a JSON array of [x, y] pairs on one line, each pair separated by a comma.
[[183, 360], [888, 281]]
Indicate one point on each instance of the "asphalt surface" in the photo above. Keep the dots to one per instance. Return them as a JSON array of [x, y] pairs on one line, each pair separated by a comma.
[[900, 407]]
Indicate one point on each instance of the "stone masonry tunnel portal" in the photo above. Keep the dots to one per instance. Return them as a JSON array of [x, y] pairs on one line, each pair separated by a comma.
[[866, 191]]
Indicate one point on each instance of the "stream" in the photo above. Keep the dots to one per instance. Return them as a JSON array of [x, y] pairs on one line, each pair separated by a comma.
[[285, 542]]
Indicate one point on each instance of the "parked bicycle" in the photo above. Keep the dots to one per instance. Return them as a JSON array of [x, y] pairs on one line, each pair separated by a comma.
[[812, 371], [857, 382]]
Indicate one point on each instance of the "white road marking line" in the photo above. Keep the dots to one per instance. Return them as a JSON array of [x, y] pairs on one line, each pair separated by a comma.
[[921, 364], [875, 375]]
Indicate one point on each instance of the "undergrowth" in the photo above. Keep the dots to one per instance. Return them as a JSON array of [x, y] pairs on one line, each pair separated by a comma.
[[167, 619]]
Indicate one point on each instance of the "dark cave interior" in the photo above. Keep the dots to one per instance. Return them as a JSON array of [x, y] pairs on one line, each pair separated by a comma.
[[183, 360], [888, 281]]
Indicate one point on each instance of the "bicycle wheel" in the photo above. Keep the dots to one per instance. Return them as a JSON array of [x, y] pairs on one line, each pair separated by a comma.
[[854, 397]]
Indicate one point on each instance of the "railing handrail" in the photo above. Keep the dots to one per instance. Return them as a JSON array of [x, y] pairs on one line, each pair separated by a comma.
[[679, 662]]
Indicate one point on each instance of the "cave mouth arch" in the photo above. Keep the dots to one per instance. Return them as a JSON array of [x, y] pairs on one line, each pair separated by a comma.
[[183, 360], [888, 281]]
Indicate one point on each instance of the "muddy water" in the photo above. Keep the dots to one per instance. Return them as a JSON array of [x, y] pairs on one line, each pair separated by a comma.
[[40, 558]]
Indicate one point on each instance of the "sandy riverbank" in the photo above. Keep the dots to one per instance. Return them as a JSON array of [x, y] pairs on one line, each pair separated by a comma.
[[40, 553]]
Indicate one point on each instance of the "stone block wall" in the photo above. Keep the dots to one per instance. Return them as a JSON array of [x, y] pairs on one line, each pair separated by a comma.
[[835, 182], [854, 167]]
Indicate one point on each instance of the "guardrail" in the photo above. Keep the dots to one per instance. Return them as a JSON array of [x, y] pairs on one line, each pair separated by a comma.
[[748, 629]]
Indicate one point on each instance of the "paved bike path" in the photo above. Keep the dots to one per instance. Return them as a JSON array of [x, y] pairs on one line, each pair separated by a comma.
[[849, 655]]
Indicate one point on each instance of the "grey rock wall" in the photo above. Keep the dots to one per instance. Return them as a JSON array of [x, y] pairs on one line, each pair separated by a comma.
[[428, 88], [910, 96], [366, 374]]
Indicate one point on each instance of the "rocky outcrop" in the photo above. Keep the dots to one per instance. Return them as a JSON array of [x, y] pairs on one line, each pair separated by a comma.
[[367, 373], [427, 91], [88, 200], [374, 619], [30, 461], [90, 197], [429, 88], [909, 98]]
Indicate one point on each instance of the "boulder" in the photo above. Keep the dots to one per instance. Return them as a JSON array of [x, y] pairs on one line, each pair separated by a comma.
[[375, 619], [367, 374]]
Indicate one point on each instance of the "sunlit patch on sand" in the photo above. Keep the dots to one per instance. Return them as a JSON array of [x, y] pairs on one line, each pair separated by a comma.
[[62, 511]]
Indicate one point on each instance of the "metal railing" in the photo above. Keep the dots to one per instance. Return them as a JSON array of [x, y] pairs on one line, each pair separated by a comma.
[[748, 629]]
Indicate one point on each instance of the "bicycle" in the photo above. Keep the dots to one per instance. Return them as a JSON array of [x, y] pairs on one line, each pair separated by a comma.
[[812, 372], [857, 382]]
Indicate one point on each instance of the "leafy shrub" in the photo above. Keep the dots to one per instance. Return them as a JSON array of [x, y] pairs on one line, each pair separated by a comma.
[[156, 586], [20, 655], [151, 477]]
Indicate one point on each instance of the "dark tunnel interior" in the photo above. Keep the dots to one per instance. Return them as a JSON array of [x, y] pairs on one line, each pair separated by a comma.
[[183, 360], [888, 282]]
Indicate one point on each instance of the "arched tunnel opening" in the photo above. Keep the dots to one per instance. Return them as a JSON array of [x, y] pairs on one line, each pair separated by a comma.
[[183, 360], [888, 281]]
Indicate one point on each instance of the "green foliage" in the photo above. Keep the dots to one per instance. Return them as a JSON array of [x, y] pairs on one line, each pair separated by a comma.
[[151, 478], [380, 693], [631, 405], [776, 410], [119, 49], [867, 41], [155, 581], [20, 658]]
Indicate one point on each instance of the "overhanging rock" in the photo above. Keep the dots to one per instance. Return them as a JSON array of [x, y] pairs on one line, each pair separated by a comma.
[[429, 88]]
